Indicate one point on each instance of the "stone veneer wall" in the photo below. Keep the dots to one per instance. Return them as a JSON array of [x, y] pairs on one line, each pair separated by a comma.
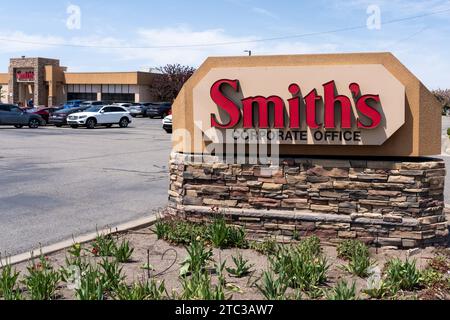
[[387, 203]]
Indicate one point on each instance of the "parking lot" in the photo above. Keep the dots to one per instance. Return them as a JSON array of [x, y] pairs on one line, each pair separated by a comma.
[[56, 182]]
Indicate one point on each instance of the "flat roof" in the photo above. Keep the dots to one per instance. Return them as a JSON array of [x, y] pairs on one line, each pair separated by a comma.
[[131, 78], [4, 78]]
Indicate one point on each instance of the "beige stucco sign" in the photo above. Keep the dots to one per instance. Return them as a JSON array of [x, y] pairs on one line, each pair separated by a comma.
[[341, 104], [275, 81]]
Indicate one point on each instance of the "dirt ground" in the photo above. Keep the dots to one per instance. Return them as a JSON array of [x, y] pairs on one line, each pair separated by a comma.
[[166, 259]]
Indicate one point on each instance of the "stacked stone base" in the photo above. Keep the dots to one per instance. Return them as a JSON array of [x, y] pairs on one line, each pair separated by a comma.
[[387, 203]]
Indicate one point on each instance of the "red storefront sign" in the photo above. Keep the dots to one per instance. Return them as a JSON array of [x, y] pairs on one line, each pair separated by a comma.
[[367, 106], [25, 75]]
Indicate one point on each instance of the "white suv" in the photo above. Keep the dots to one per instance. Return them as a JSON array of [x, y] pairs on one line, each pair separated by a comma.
[[100, 116]]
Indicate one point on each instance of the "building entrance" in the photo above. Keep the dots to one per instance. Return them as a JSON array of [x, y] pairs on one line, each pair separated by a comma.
[[26, 93]]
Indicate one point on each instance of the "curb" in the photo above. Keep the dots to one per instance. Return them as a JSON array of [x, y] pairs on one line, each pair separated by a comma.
[[128, 226]]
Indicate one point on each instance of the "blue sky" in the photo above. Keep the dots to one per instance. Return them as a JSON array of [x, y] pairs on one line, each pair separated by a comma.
[[29, 27]]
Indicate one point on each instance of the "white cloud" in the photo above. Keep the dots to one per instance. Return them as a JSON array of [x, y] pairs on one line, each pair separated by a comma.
[[265, 12], [17, 42]]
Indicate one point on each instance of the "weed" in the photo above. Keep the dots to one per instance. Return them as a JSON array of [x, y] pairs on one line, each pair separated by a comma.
[[104, 245], [8, 284], [402, 275], [148, 290], [237, 238], [42, 280], [302, 266], [430, 277], [111, 274], [358, 257], [218, 232], [242, 268], [123, 252], [267, 247], [91, 285], [180, 232], [342, 291], [377, 287], [272, 288], [197, 258]]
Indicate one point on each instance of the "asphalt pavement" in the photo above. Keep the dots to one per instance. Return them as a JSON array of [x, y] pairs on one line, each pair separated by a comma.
[[59, 182]]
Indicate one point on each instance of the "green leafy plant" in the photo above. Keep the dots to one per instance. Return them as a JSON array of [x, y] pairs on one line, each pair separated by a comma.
[[104, 245], [431, 278], [237, 238], [342, 291], [377, 288], [358, 256], [73, 259], [272, 288], [8, 283], [448, 132], [218, 232], [148, 290], [402, 275], [91, 285], [179, 232], [111, 274], [123, 252], [267, 247], [303, 266], [242, 267], [198, 256], [42, 280]]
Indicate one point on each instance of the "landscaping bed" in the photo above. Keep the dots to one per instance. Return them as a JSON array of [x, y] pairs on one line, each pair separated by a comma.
[[180, 260]]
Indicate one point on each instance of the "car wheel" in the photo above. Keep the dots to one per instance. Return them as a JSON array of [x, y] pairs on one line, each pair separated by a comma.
[[18, 126], [124, 123], [151, 117], [74, 126], [90, 123], [34, 124]]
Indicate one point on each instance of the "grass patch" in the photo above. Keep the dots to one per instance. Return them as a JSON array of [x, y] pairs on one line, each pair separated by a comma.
[[403, 275], [358, 257], [302, 266], [218, 233]]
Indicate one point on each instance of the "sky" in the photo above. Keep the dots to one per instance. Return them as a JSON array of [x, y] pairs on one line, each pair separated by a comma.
[[113, 35]]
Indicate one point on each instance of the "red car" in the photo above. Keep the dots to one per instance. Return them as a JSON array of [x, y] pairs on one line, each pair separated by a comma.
[[46, 112]]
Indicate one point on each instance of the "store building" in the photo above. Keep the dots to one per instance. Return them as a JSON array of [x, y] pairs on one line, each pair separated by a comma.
[[48, 83]]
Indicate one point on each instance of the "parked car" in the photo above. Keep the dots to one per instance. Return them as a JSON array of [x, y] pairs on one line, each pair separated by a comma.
[[156, 110], [59, 118], [46, 112], [89, 104], [100, 115], [12, 115], [126, 105], [72, 104], [139, 109], [167, 124]]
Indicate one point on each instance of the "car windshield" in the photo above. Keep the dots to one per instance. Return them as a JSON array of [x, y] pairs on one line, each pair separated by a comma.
[[94, 109]]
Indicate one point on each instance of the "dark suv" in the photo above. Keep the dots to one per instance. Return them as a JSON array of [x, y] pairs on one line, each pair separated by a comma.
[[160, 110], [59, 118], [11, 115]]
